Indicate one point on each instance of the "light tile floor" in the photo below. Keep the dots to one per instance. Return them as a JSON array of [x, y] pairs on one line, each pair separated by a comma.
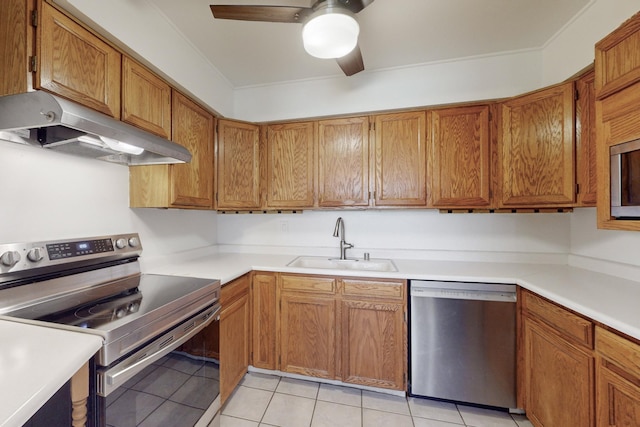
[[269, 400]]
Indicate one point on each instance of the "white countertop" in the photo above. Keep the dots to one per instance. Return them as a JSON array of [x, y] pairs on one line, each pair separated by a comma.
[[610, 300], [34, 363]]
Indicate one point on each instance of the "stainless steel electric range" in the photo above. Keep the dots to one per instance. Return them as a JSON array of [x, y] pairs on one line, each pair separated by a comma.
[[140, 376]]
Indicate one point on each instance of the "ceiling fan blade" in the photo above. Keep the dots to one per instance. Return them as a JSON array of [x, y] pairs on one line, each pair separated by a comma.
[[352, 63], [261, 13], [355, 6]]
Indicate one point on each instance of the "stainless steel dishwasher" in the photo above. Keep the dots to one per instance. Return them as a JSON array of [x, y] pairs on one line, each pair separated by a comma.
[[463, 342]]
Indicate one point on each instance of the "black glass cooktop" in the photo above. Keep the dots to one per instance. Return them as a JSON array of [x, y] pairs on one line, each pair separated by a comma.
[[143, 299]]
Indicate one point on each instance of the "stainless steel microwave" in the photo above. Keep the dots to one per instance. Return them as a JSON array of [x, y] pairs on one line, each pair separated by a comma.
[[625, 180]]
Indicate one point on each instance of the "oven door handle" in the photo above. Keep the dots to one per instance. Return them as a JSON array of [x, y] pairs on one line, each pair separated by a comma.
[[114, 377]]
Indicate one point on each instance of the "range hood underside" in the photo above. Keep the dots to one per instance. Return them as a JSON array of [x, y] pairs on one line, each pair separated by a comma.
[[44, 120]]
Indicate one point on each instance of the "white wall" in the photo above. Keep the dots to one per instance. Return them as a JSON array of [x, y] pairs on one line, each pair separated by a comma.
[[421, 234], [48, 195], [491, 76]]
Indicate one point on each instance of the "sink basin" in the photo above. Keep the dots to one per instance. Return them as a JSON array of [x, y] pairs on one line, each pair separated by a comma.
[[343, 264]]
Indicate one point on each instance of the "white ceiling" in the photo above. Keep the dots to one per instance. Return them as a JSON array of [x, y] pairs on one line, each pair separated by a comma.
[[394, 33]]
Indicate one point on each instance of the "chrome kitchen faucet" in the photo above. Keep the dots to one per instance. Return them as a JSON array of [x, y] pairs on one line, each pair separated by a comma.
[[339, 232]]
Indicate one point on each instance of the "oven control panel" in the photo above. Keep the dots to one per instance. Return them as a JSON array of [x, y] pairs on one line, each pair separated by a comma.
[[79, 248], [19, 257]]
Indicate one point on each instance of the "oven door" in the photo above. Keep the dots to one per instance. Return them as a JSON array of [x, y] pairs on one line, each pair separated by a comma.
[[161, 384]]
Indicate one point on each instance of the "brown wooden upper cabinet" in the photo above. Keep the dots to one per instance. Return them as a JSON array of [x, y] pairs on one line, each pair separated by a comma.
[[186, 185], [537, 148], [617, 85], [586, 141], [146, 99], [459, 157], [290, 165], [238, 165], [75, 64], [343, 162], [400, 159], [193, 128], [617, 59]]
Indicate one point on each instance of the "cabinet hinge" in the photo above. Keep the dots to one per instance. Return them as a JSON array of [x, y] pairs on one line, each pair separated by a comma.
[[372, 126], [33, 64], [34, 18], [216, 197], [490, 116], [577, 94], [577, 188]]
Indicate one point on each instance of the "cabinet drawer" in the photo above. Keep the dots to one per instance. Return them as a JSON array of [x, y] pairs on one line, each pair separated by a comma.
[[619, 350], [370, 288], [572, 326], [308, 284], [234, 290]]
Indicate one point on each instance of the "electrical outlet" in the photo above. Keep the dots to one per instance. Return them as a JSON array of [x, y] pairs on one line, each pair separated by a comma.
[[283, 226]]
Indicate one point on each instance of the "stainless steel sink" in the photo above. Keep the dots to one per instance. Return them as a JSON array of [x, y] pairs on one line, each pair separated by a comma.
[[343, 264]]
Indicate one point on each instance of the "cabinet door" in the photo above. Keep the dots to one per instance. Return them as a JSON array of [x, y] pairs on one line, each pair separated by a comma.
[[290, 165], [308, 334], [617, 380], [192, 183], [234, 337], [617, 58], [238, 165], [586, 141], [343, 162], [400, 159], [538, 148], [618, 398], [76, 64], [16, 46], [146, 99], [559, 385], [373, 343], [459, 157], [263, 334]]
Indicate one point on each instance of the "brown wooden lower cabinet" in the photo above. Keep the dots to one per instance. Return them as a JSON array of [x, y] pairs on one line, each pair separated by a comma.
[[308, 325], [348, 329], [373, 343], [263, 320], [617, 380], [235, 319], [575, 372], [558, 378]]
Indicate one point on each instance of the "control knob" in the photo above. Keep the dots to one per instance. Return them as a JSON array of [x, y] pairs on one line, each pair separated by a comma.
[[35, 254], [10, 258], [134, 242], [121, 243]]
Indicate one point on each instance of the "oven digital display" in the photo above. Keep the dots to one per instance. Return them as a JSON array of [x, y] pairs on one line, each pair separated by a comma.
[[80, 248]]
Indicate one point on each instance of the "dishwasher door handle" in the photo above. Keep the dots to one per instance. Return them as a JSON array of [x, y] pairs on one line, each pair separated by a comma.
[[465, 294]]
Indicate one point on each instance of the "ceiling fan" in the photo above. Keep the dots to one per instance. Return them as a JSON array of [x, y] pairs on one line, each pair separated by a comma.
[[329, 27]]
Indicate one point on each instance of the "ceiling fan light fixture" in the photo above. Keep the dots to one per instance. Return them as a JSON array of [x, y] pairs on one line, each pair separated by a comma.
[[330, 33]]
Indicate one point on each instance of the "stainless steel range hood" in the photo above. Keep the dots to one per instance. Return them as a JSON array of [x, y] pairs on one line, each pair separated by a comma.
[[44, 120]]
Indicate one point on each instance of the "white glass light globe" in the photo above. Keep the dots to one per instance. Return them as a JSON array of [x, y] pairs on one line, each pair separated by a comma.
[[331, 35]]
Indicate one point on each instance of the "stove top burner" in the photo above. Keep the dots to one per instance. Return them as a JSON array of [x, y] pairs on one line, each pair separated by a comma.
[[99, 313]]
